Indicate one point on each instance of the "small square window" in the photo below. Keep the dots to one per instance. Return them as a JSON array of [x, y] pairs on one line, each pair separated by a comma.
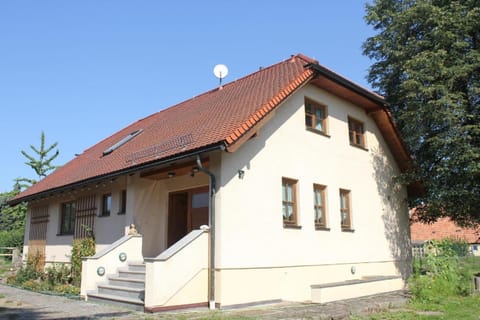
[[106, 205], [315, 116], [356, 133], [289, 202], [319, 205]]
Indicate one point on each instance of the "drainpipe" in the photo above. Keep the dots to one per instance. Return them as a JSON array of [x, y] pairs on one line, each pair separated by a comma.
[[211, 218]]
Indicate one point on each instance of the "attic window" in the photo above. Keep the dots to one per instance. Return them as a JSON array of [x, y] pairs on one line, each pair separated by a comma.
[[122, 142]]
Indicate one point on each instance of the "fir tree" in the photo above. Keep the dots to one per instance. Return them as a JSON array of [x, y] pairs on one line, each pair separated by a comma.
[[41, 162]]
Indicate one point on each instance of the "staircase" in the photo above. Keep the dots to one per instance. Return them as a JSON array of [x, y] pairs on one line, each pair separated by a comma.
[[126, 288]]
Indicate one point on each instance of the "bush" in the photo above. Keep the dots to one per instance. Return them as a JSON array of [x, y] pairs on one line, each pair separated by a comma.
[[30, 272], [439, 274], [81, 248], [13, 238], [57, 275]]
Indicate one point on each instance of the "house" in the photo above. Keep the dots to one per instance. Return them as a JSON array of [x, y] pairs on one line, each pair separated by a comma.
[[276, 186], [444, 228]]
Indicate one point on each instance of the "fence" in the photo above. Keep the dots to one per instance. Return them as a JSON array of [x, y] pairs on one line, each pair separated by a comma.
[[418, 250], [12, 252]]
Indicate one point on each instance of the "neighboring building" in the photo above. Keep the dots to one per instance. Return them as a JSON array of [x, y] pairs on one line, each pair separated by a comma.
[[290, 166], [444, 228]]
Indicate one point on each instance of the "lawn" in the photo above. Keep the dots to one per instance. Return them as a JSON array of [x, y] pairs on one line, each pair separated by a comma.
[[5, 267], [452, 307], [465, 308]]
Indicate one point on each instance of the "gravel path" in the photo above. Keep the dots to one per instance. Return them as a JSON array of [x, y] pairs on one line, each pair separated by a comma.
[[18, 304]]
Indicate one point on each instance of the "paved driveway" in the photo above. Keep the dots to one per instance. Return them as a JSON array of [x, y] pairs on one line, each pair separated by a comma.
[[18, 304]]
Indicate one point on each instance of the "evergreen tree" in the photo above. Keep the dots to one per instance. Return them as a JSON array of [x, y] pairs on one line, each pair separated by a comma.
[[426, 62], [41, 162]]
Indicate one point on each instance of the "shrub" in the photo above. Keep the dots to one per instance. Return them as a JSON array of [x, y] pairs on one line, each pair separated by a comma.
[[439, 274], [81, 248], [12, 238], [30, 272], [57, 275], [67, 289]]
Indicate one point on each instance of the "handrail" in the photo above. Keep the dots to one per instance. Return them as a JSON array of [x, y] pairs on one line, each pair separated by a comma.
[[179, 245], [112, 247], [96, 268], [179, 275]]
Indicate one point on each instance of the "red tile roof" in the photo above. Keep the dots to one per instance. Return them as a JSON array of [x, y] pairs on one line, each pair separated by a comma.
[[220, 117], [443, 228]]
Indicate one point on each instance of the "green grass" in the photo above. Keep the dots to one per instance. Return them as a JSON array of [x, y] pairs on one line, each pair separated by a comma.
[[438, 306], [5, 266], [465, 308]]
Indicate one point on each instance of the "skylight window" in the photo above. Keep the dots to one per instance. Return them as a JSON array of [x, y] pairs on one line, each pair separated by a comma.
[[122, 142]]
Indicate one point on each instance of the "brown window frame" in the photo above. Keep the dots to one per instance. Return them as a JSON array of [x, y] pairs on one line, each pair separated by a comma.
[[320, 206], [67, 228], [313, 117], [122, 204], [286, 202], [106, 206], [345, 223], [356, 131]]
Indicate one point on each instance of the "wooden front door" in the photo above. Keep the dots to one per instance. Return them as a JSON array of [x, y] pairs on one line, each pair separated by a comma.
[[187, 211]]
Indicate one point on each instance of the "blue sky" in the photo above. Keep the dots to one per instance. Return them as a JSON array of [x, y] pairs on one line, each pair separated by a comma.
[[82, 70]]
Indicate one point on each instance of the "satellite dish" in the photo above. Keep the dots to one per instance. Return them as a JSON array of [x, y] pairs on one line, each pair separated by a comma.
[[220, 71]]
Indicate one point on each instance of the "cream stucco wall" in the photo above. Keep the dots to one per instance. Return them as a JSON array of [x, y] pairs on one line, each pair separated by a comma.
[[150, 207], [250, 232], [147, 208], [257, 259], [107, 229]]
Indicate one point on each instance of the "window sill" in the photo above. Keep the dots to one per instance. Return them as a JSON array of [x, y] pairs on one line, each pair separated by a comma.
[[104, 216], [322, 228], [64, 234], [348, 229], [291, 226], [121, 213], [318, 132], [359, 147]]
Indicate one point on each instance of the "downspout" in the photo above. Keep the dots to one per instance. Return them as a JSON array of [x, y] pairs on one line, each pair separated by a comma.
[[211, 218]]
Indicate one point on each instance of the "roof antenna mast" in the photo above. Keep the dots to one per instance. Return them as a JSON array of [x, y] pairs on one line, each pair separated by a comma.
[[220, 71]]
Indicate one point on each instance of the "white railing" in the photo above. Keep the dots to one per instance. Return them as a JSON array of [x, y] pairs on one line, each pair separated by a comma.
[[179, 275], [95, 269]]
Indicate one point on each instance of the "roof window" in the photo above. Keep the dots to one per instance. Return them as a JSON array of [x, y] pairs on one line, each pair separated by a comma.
[[122, 142]]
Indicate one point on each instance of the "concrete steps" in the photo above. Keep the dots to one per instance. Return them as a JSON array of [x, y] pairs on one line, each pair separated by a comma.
[[126, 289], [366, 286]]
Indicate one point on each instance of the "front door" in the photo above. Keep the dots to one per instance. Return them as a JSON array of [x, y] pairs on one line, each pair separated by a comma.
[[187, 210]]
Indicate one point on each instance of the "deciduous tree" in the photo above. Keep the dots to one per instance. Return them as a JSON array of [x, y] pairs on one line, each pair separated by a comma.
[[426, 62]]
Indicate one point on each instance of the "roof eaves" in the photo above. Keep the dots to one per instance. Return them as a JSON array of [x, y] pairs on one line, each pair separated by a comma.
[[347, 83], [237, 137], [111, 175]]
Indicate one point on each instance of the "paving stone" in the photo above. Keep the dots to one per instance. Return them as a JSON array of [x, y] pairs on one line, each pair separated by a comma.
[[21, 304]]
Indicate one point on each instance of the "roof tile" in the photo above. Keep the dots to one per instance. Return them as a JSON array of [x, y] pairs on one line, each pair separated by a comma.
[[219, 116]]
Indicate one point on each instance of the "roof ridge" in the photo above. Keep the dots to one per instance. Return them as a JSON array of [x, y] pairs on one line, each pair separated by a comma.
[[262, 69]]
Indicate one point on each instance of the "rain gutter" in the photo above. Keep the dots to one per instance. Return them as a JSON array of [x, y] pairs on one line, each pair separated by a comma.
[[211, 221]]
